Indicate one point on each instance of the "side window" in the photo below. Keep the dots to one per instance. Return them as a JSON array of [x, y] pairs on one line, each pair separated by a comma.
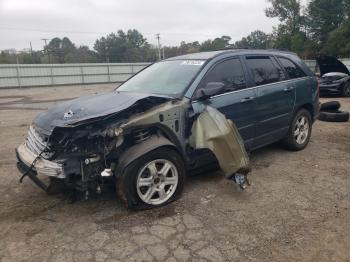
[[264, 70], [292, 69], [229, 72]]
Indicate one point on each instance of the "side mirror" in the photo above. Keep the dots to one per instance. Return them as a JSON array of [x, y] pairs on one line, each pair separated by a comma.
[[210, 89]]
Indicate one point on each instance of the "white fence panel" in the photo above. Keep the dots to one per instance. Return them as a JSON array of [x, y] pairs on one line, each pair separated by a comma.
[[25, 75]]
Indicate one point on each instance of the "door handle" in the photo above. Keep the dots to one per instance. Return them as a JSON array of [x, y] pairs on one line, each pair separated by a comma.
[[247, 99], [289, 88]]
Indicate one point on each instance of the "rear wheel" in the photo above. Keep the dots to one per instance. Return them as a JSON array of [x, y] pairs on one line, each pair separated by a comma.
[[346, 90], [299, 132], [153, 180]]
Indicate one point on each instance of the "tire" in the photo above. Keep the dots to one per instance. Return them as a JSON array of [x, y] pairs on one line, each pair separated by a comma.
[[338, 116], [330, 106], [134, 195], [298, 142], [346, 90]]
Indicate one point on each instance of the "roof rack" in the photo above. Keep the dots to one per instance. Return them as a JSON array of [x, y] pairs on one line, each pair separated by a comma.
[[230, 48]]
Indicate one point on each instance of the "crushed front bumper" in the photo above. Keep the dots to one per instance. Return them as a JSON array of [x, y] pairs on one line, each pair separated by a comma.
[[41, 166]]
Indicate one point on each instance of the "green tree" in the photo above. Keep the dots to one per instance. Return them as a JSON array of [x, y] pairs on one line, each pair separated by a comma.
[[324, 16], [291, 32], [288, 13], [82, 54], [255, 40], [216, 44], [338, 41], [60, 49], [122, 47]]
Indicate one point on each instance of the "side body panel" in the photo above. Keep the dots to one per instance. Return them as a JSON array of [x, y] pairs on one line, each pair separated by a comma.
[[239, 105], [275, 106]]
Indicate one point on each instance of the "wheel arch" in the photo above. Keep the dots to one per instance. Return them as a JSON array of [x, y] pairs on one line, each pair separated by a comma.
[[306, 106], [136, 151]]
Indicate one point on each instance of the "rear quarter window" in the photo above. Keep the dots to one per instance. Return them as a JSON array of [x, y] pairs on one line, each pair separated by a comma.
[[292, 69]]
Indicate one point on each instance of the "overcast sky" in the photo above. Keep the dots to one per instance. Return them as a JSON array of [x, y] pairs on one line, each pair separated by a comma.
[[83, 21]]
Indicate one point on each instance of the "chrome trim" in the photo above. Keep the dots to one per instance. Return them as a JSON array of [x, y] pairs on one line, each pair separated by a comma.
[[228, 93], [36, 143], [273, 118], [245, 89], [37, 136], [41, 165]]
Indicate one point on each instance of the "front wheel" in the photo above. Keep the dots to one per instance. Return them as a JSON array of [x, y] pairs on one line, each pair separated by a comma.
[[299, 132], [152, 180], [346, 90]]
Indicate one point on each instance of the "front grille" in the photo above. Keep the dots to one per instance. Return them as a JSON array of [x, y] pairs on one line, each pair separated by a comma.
[[36, 143]]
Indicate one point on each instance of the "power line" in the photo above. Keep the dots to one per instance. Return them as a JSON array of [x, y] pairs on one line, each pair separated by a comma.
[[47, 51], [89, 32]]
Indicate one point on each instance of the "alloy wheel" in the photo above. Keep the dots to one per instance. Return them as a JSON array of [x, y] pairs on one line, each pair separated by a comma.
[[301, 130], [157, 181]]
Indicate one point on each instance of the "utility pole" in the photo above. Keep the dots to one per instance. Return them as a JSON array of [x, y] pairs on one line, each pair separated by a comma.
[[31, 49], [158, 38], [18, 71], [163, 53], [47, 51]]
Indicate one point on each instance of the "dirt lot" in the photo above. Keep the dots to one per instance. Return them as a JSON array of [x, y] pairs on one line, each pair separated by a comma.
[[297, 208]]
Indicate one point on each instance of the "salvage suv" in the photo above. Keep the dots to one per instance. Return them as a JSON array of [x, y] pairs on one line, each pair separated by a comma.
[[138, 135]]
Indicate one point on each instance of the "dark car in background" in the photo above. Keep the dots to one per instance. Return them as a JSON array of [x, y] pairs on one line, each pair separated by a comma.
[[138, 135], [334, 76]]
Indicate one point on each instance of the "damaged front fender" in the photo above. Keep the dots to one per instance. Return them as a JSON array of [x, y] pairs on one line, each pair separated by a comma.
[[138, 150], [213, 131]]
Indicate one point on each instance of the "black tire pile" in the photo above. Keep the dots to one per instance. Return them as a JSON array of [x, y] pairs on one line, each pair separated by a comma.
[[329, 112]]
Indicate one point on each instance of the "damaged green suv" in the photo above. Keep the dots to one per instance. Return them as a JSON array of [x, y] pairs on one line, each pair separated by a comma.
[[139, 136]]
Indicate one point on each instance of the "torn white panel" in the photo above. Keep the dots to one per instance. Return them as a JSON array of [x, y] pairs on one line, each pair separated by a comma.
[[213, 131]]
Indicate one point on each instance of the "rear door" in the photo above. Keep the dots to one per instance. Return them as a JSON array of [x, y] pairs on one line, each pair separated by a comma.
[[275, 98], [237, 102]]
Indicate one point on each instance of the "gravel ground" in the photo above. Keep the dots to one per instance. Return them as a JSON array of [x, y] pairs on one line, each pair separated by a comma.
[[297, 208]]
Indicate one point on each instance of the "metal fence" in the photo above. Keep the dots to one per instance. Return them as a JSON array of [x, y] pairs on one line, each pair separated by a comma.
[[25, 75]]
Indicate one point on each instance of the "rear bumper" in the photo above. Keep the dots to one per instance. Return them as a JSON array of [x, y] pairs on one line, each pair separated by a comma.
[[41, 166]]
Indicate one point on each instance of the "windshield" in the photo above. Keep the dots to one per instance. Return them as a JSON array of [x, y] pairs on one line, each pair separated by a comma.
[[166, 77]]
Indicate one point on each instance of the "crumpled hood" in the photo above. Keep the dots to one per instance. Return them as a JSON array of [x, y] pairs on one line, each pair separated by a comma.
[[88, 108], [330, 64]]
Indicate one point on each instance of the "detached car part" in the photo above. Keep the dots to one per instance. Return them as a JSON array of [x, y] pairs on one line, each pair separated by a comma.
[[334, 116], [329, 112], [212, 130], [330, 106]]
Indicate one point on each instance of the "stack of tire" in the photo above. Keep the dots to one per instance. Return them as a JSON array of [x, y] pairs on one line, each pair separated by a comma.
[[330, 112]]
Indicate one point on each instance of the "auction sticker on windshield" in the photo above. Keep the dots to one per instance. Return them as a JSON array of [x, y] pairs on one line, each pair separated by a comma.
[[193, 62]]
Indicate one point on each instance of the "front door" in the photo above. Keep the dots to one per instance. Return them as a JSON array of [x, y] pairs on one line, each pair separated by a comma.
[[236, 102]]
